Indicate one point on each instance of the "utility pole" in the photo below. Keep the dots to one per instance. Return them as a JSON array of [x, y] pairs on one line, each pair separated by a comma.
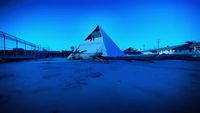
[[143, 46], [158, 43]]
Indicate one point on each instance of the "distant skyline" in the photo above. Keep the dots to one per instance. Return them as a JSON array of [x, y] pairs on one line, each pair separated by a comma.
[[59, 24]]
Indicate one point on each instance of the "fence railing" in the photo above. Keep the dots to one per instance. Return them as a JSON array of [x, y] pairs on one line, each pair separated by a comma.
[[16, 50]]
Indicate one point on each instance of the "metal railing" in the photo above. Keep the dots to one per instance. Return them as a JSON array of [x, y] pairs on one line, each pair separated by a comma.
[[6, 36]]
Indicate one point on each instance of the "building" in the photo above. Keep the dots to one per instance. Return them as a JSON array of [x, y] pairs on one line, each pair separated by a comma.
[[131, 51], [189, 48], [99, 42]]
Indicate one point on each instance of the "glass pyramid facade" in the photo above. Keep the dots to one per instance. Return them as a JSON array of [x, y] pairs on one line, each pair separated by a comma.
[[99, 41]]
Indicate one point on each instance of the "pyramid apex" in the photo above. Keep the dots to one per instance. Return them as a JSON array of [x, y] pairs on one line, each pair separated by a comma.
[[98, 26]]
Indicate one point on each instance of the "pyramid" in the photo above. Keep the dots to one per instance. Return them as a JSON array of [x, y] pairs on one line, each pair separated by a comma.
[[99, 41]]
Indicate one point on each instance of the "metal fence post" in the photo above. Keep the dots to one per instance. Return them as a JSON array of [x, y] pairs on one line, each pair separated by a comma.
[[4, 43], [16, 47], [25, 49]]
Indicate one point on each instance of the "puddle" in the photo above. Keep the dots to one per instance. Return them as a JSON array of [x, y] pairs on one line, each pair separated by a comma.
[[75, 84], [4, 99], [6, 76], [51, 76], [84, 70], [94, 74], [39, 90]]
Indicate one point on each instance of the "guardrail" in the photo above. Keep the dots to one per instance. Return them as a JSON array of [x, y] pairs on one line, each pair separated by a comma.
[[6, 36]]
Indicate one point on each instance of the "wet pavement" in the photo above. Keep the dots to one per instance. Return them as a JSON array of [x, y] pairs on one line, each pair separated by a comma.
[[61, 86]]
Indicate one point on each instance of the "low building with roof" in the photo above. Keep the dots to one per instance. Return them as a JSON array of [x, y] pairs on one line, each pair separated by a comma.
[[190, 47], [131, 51]]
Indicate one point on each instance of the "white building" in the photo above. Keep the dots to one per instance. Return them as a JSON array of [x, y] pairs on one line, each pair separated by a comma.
[[191, 48]]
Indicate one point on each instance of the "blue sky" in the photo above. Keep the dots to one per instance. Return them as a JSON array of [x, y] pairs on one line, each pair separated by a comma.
[[59, 24]]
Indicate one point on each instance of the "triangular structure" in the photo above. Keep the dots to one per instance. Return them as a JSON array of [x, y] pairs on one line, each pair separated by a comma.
[[99, 41]]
